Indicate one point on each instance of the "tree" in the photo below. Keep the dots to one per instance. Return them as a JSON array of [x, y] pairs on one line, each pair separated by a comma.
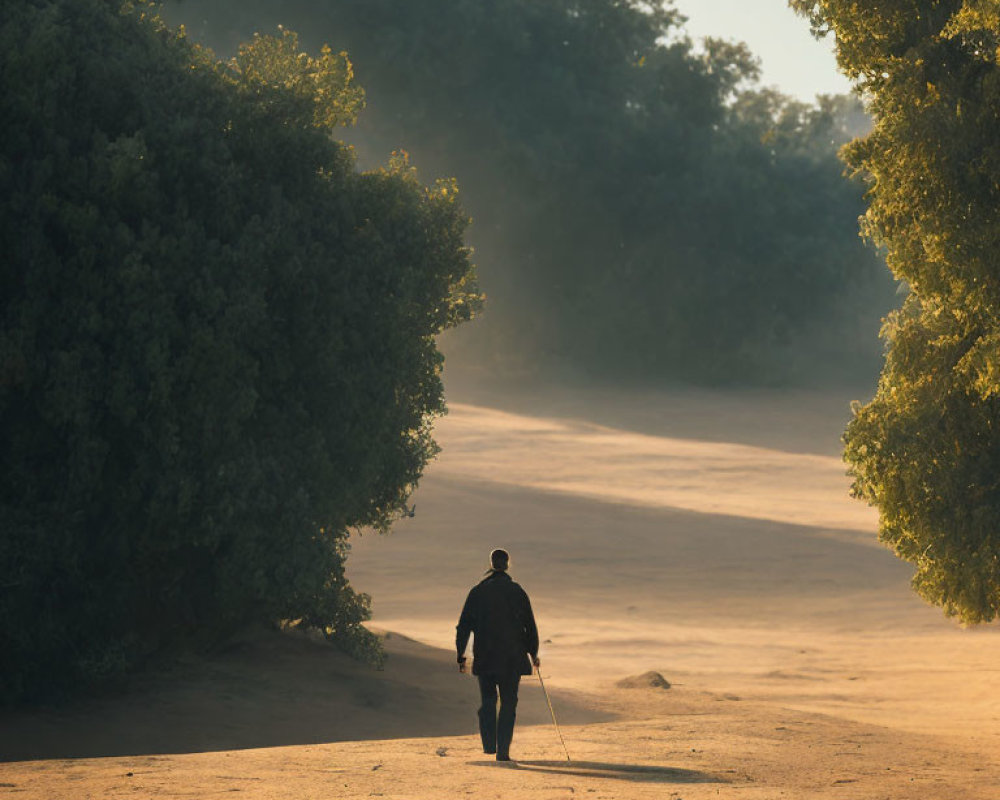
[[926, 449], [216, 340], [634, 219]]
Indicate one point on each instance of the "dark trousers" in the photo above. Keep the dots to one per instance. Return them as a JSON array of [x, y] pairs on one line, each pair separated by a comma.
[[498, 730]]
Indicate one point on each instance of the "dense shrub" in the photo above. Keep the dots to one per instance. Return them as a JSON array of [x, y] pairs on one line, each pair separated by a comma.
[[926, 450], [216, 339]]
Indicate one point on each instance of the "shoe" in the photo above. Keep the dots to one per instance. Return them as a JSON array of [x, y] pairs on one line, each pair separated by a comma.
[[489, 752], [503, 757]]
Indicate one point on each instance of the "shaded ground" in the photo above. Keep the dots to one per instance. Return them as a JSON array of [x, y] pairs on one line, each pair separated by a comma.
[[269, 689]]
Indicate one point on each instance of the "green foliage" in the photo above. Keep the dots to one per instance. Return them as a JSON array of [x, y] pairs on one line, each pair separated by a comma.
[[216, 340], [926, 450], [642, 209], [295, 87]]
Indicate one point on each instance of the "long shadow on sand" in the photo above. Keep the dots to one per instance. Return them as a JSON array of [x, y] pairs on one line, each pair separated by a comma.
[[786, 419], [268, 690], [603, 769]]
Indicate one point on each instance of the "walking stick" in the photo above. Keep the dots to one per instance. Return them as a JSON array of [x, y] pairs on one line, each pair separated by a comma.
[[538, 672]]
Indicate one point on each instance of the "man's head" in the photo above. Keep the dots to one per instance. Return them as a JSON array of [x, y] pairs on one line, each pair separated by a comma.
[[499, 559]]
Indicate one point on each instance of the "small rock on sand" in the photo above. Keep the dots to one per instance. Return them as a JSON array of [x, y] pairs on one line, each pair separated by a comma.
[[648, 680]]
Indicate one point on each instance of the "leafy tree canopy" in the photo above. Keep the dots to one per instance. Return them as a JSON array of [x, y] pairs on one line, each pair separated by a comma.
[[926, 450], [643, 209], [216, 339]]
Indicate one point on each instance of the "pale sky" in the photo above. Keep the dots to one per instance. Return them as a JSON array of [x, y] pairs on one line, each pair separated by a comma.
[[790, 58]]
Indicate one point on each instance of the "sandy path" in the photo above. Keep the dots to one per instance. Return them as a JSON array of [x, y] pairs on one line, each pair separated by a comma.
[[728, 567], [678, 744]]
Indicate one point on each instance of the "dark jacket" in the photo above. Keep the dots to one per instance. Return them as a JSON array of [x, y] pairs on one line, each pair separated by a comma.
[[498, 612]]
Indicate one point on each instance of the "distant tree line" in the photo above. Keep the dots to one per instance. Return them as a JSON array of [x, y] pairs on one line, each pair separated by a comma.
[[926, 449], [217, 342], [642, 208]]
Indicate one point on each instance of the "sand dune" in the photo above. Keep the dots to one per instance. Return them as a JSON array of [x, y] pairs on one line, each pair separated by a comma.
[[587, 460], [706, 536]]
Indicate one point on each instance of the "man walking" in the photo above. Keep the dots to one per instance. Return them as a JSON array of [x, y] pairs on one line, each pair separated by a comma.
[[498, 612]]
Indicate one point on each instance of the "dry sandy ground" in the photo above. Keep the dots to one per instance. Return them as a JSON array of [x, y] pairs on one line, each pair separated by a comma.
[[703, 535]]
